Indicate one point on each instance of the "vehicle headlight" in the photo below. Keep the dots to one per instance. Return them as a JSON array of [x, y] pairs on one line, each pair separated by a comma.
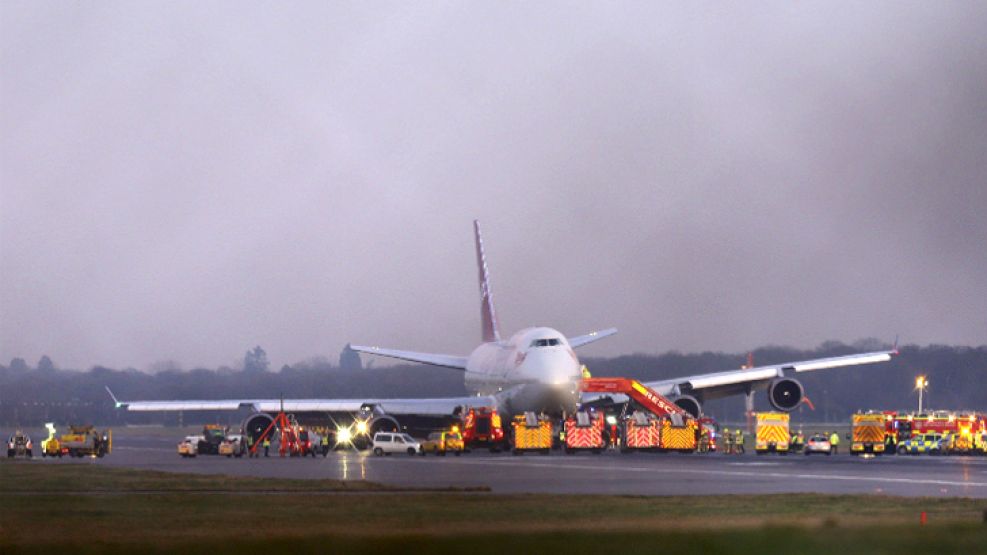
[[343, 435]]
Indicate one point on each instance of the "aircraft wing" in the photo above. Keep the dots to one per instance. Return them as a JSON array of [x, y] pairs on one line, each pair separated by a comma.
[[443, 406], [581, 340], [730, 381], [450, 361]]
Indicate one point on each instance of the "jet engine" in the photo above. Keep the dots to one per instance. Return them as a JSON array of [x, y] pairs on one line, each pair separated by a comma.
[[255, 424], [384, 423], [690, 404], [785, 394]]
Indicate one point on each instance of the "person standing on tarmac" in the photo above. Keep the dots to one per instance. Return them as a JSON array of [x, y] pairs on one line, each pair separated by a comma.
[[325, 444], [834, 441], [250, 446], [267, 445], [728, 441], [738, 442]]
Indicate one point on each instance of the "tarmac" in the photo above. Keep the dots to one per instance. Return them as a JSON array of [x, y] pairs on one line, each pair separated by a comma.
[[608, 473]]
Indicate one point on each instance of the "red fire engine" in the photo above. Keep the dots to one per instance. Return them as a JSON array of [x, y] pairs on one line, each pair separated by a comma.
[[584, 432], [902, 426], [482, 428]]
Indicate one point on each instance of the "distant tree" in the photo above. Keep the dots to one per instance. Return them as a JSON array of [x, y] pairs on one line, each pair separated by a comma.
[[255, 360], [18, 365], [45, 364], [350, 359]]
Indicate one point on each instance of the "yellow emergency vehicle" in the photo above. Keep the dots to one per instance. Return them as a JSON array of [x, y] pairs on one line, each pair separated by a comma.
[[531, 433], [441, 443], [773, 434], [868, 434]]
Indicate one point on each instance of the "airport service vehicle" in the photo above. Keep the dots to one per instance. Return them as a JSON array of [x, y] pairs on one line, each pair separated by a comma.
[[584, 432], [772, 433], [212, 437], [309, 442], [531, 433], [678, 433], [189, 447], [441, 443], [233, 446], [818, 443], [85, 441], [933, 444], [19, 445], [868, 434], [535, 369], [387, 443], [482, 428], [640, 433]]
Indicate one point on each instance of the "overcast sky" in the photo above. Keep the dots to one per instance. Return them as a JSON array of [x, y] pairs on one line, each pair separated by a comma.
[[183, 181]]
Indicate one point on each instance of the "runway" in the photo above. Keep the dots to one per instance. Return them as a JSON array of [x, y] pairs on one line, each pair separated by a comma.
[[608, 473]]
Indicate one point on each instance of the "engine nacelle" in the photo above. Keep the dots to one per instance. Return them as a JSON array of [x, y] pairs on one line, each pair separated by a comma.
[[384, 423], [255, 424], [690, 404], [785, 394]]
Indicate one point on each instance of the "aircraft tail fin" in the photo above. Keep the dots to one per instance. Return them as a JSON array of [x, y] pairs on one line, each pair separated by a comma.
[[491, 328]]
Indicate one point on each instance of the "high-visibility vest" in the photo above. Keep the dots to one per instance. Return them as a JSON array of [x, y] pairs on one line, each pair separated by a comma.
[[267, 443], [834, 439]]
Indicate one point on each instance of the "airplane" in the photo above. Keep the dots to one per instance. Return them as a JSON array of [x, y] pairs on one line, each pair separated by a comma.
[[536, 369]]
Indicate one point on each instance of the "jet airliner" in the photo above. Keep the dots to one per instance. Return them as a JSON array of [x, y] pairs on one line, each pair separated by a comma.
[[536, 369]]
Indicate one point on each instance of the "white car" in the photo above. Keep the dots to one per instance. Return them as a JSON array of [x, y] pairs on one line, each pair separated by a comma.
[[818, 444], [189, 447], [386, 443]]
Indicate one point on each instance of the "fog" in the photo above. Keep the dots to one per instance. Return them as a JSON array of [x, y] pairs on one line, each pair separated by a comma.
[[183, 181]]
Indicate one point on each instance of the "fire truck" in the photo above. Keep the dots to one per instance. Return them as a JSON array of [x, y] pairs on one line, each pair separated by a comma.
[[670, 428], [640, 433], [962, 428], [868, 434], [773, 434], [584, 432], [531, 433], [482, 428]]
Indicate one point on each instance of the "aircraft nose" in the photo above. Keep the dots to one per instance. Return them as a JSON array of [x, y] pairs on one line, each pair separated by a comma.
[[555, 367]]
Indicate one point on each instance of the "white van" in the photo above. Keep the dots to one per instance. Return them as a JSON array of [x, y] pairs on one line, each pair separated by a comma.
[[386, 443]]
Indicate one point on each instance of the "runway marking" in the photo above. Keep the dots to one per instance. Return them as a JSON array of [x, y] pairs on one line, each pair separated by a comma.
[[754, 464], [802, 476]]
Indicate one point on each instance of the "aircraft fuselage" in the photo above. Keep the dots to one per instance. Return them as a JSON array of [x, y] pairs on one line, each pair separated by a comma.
[[535, 370]]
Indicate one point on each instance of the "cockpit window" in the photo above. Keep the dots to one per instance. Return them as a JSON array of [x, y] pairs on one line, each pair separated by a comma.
[[553, 342]]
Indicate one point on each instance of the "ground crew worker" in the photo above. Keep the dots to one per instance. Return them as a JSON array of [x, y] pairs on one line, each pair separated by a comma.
[[325, 444], [267, 445], [738, 442], [834, 440], [728, 439], [250, 447]]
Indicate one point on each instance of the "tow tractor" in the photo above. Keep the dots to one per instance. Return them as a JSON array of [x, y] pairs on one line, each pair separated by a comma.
[[670, 429], [19, 445]]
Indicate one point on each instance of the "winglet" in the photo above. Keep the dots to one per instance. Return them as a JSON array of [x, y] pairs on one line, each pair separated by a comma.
[[116, 402], [894, 348]]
